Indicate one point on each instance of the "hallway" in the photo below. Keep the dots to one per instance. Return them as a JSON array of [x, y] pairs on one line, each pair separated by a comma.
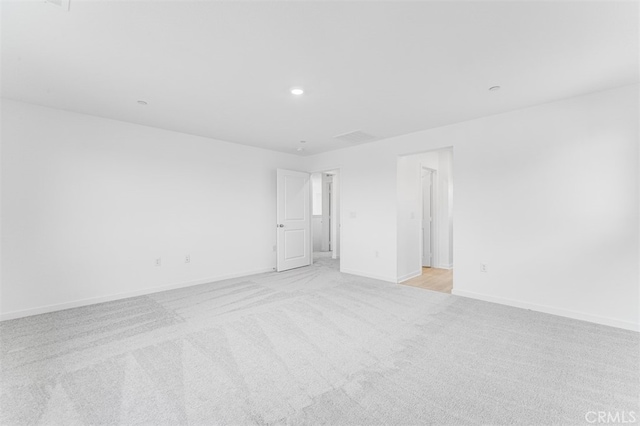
[[433, 279]]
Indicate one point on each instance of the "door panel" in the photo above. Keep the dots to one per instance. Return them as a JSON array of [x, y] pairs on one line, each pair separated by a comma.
[[294, 243], [293, 220], [294, 206]]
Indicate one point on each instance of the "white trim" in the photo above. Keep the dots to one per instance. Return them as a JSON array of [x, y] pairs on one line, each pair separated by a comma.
[[367, 275], [627, 325], [325, 170], [101, 299], [409, 276], [444, 267]]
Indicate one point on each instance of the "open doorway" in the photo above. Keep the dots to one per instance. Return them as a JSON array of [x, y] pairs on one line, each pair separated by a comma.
[[425, 220], [325, 219]]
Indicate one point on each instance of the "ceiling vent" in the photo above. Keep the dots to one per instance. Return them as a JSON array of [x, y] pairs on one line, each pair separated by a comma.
[[355, 137], [64, 4]]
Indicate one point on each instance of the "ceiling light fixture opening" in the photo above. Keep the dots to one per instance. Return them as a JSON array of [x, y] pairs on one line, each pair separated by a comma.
[[142, 102], [297, 91], [494, 88]]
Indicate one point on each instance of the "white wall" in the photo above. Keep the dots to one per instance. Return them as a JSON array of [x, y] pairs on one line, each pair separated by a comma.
[[316, 208], [367, 208], [316, 233], [316, 194], [335, 215], [409, 215], [89, 203], [546, 196]]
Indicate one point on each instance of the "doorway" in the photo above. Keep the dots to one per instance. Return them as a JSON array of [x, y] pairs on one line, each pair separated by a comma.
[[425, 220], [325, 219]]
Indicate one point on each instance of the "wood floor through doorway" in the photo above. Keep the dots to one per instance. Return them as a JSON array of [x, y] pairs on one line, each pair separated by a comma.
[[433, 279]]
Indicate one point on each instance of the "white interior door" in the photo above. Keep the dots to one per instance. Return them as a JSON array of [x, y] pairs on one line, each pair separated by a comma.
[[294, 220], [427, 218]]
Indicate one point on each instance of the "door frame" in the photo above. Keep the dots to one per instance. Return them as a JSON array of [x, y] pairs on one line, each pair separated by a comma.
[[340, 215]]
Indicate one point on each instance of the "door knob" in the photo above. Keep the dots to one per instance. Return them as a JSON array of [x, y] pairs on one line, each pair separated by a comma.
[[281, 225]]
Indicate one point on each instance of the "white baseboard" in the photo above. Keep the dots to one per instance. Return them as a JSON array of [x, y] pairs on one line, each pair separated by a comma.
[[408, 276], [367, 275], [627, 325], [101, 299], [444, 267]]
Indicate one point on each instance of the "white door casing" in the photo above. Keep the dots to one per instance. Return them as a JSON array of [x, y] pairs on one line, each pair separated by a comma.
[[293, 220]]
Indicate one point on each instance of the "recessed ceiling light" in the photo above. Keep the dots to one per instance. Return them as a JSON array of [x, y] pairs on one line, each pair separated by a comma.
[[142, 102], [300, 149], [297, 91], [494, 88]]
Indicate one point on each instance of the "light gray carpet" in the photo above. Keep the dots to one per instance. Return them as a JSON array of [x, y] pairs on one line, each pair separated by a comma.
[[312, 346]]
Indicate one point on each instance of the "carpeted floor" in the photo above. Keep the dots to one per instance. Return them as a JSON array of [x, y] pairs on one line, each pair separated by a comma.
[[312, 346]]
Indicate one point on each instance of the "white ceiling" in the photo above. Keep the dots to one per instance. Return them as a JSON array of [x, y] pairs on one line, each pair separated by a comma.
[[224, 69]]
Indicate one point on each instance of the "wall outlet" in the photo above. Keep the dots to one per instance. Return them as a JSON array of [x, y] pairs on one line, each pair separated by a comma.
[[158, 262], [275, 248], [376, 253], [484, 267], [352, 215], [187, 259]]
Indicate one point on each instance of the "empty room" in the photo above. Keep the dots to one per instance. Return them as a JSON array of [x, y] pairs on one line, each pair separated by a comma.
[[319, 212]]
